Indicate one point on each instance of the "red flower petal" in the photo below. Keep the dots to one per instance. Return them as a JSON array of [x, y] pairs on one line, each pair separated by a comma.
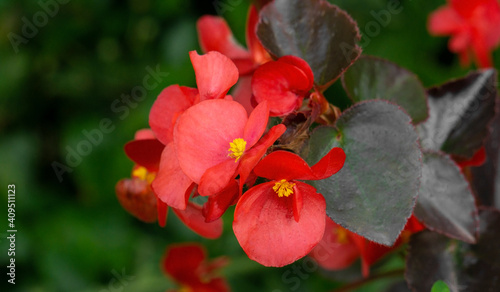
[[145, 152], [298, 197], [137, 198], [477, 160], [413, 225], [282, 85], [217, 178], [171, 184], [215, 35], [482, 53], [284, 165], [259, 54], [194, 219], [302, 65], [171, 102], [444, 21], [265, 227], [162, 210], [256, 124], [203, 134], [330, 164], [182, 261], [144, 134], [335, 252], [253, 156], [242, 93], [187, 265], [371, 252], [217, 204], [215, 74]]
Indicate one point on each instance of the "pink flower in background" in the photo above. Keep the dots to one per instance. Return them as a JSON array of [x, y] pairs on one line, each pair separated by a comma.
[[474, 26]]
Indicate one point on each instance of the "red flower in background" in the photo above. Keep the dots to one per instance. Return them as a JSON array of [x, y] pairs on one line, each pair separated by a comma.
[[139, 199], [215, 35], [280, 221], [474, 26], [135, 194], [186, 264], [339, 247], [336, 250]]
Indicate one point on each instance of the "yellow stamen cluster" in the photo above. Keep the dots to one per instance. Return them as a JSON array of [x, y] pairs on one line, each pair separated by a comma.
[[283, 188], [185, 289], [142, 173], [237, 148], [341, 235]]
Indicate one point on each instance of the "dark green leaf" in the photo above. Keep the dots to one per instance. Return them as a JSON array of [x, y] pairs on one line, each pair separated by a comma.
[[374, 193], [445, 202], [464, 267], [486, 178], [316, 31], [440, 286], [459, 112], [374, 78]]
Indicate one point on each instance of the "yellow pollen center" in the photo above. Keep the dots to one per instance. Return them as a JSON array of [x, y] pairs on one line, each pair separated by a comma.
[[283, 188], [185, 289], [341, 235], [142, 173], [237, 148]]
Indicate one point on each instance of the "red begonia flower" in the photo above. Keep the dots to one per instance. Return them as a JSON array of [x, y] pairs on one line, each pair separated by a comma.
[[336, 250], [282, 220], [215, 74], [136, 196], [139, 198], [340, 247], [212, 137], [283, 83], [187, 265], [217, 204], [372, 252], [473, 26]]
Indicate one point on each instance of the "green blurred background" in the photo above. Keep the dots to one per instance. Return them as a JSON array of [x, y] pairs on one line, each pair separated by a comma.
[[63, 81]]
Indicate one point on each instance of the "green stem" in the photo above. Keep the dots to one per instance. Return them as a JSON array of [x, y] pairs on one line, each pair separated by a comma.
[[361, 282]]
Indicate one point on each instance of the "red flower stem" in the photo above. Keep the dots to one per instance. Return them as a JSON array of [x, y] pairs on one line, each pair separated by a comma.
[[361, 282]]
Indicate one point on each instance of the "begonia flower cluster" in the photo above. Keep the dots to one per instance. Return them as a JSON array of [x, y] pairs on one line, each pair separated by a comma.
[[238, 148]]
